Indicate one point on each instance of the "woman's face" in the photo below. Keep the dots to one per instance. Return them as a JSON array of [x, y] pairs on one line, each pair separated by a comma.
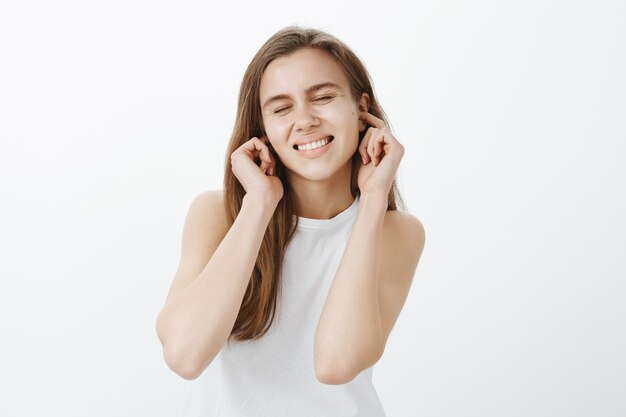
[[305, 96]]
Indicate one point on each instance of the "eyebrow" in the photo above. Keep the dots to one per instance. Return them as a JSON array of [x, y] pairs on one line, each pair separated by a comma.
[[312, 89]]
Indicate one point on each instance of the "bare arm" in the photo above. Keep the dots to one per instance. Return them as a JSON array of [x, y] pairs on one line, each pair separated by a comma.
[[368, 292], [201, 308], [349, 330]]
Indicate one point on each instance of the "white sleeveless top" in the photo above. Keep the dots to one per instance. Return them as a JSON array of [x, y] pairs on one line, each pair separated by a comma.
[[275, 375]]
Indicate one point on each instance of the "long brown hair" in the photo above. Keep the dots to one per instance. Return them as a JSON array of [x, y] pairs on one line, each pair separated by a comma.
[[258, 306]]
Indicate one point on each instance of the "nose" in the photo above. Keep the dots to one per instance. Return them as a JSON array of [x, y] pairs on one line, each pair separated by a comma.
[[305, 118]]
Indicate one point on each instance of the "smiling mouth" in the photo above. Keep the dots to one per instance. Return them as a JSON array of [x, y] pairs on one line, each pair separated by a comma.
[[328, 140]]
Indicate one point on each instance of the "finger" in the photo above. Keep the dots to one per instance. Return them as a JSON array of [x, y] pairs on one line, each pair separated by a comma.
[[372, 120], [271, 164], [267, 154], [259, 149], [249, 148], [362, 149], [267, 143], [264, 166], [378, 146], [271, 161], [372, 143], [253, 145], [363, 145]]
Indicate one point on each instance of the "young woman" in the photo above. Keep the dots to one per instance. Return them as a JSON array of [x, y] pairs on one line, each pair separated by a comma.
[[292, 277]]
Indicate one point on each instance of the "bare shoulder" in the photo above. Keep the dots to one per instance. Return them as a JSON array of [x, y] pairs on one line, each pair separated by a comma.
[[205, 228], [403, 238], [404, 224], [207, 210]]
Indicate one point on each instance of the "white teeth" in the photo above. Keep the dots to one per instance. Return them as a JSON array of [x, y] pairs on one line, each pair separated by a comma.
[[314, 145]]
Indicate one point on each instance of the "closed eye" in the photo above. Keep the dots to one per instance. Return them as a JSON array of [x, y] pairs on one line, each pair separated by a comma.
[[317, 99]]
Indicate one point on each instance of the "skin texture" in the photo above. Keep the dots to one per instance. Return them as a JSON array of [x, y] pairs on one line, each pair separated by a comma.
[[381, 256], [321, 185]]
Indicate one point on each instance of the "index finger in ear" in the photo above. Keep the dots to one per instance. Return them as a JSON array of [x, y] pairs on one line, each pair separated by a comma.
[[372, 120], [267, 143]]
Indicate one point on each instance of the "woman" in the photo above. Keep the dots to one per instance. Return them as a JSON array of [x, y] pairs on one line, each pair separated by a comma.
[[291, 279]]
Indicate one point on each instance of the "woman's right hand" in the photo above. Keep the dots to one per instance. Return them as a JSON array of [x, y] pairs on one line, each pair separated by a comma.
[[260, 181]]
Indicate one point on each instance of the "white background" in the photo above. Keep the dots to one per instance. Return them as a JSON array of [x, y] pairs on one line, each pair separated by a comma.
[[114, 115]]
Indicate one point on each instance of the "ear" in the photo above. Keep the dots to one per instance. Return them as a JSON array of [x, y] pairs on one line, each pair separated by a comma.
[[364, 105]]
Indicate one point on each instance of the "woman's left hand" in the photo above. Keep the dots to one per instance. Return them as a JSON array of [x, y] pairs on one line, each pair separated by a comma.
[[381, 153]]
